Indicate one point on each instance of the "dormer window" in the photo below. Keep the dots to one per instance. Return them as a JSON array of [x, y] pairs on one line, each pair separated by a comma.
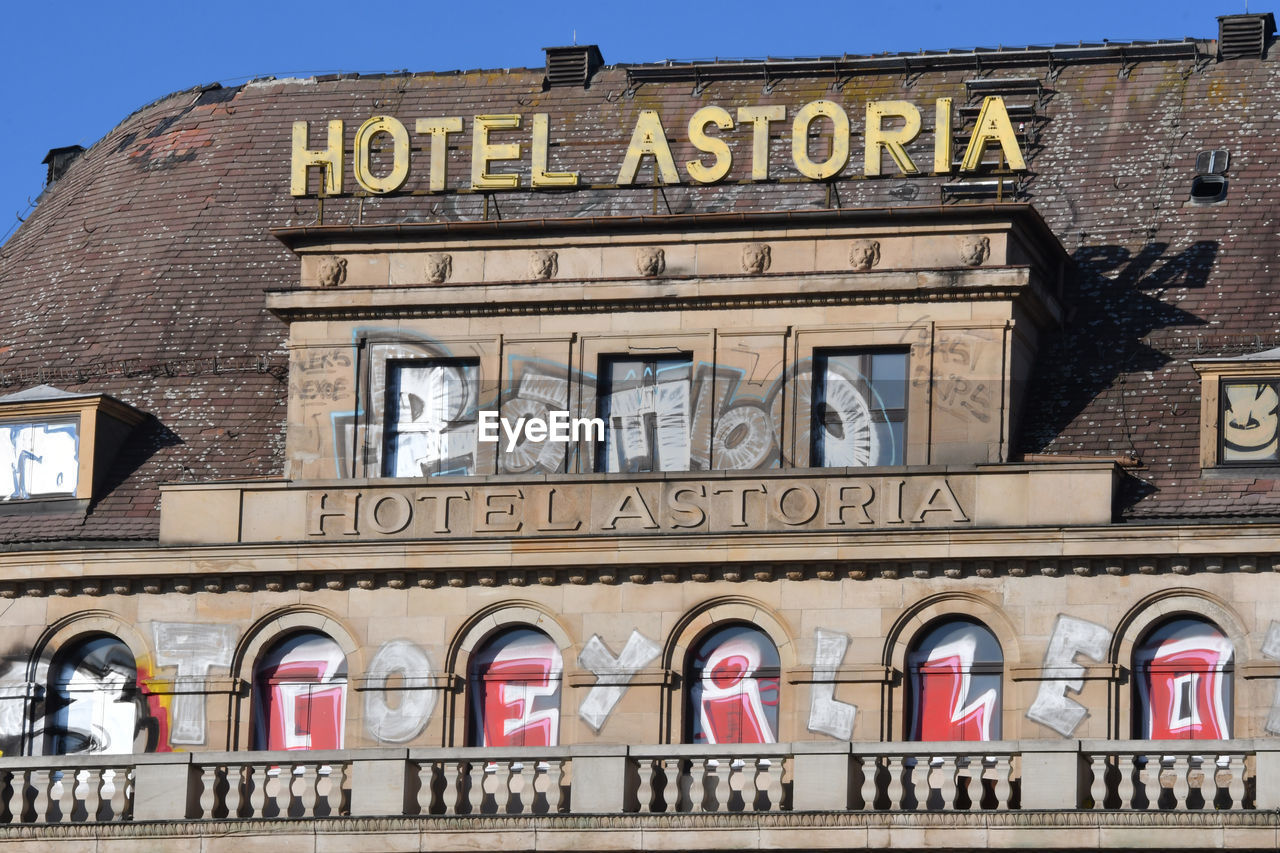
[[1240, 411], [55, 444]]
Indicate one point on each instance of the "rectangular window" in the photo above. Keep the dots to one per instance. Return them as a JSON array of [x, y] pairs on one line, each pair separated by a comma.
[[39, 458], [645, 404], [859, 408], [431, 417], [1249, 423]]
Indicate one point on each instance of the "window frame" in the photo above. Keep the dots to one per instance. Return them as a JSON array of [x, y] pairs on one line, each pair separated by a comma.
[[604, 393], [1222, 403], [821, 358], [390, 405], [912, 655]]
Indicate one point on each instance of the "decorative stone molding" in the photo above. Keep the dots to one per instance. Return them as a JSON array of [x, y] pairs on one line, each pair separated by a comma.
[[543, 264], [974, 251], [650, 261], [439, 267], [756, 258], [864, 254], [333, 271]]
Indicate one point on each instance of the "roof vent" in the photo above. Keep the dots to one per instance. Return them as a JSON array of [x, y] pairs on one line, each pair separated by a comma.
[[572, 65], [1209, 186], [1244, 36], [59, 160]]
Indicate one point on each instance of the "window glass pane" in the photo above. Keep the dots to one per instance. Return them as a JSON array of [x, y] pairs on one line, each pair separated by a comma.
[[955, 674], [515, 690], [300, 692], [859, 409], [431, 418], [92, 706], [38, 459], [733, 688], [1250, 421], [889, 379], [1183, 679], [645, 405]]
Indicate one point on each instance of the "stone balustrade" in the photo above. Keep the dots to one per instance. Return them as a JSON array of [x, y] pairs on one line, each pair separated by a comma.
[[1089, 775]]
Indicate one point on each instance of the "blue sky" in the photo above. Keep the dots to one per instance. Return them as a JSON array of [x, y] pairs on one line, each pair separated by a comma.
[[73, 70]]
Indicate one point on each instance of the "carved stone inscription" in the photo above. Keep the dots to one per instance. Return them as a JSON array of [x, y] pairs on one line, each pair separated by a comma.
[[611, 509]]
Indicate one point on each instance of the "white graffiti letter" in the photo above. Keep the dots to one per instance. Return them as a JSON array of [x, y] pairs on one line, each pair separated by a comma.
[[613, 674], [1052, 707], [193, 650], [1271, 649], [827, 714], [405, 722]]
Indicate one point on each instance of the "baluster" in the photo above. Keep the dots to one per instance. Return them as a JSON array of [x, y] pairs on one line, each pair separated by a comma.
[[675, 782], [697, 789], [870, 766], [1181, 765], [78, 799], [455, 801], [13, 806], [644, 790], [40, 783], [65, 791], [234, 776], [92, 796], [1003, 769], [1235, 782], [262, 778], [554, 776], [898, 767], [748, 777], [948, 769], [122, 793], [306, 777], [475, 791], [426, 789], [519, 788], [209, 774], [1098, 780], [1126, 789]]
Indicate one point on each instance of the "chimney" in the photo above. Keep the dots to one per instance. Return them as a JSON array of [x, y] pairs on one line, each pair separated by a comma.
[[571, 66], [59, 160], [1244, 36]]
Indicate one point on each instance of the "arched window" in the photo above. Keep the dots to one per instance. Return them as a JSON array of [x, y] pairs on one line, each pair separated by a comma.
[[954, 675], [92, 704], [1182, 677], [733, 675], [300, 694], [514, 684]]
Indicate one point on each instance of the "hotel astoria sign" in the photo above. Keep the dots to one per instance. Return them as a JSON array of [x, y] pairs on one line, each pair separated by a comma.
[[499, 144]]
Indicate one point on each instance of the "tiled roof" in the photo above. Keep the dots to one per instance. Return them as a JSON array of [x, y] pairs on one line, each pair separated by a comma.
[[141, 272]]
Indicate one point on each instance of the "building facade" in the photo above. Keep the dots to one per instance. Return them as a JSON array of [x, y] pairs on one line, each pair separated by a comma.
[[680, 456]]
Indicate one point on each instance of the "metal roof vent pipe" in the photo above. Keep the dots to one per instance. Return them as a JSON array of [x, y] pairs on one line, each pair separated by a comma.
[[1245, 36], [59, 160], [571, 66]]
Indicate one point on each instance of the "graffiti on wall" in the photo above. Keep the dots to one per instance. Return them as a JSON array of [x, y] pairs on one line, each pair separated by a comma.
[[38, 459], [404, 721], [1250, 421], [613, 674], [1052, 707], [828, 715], [733, 687], [955, 675], [193, 649], [515, 690], [662, 413], [1183, 674], [300, 692]]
